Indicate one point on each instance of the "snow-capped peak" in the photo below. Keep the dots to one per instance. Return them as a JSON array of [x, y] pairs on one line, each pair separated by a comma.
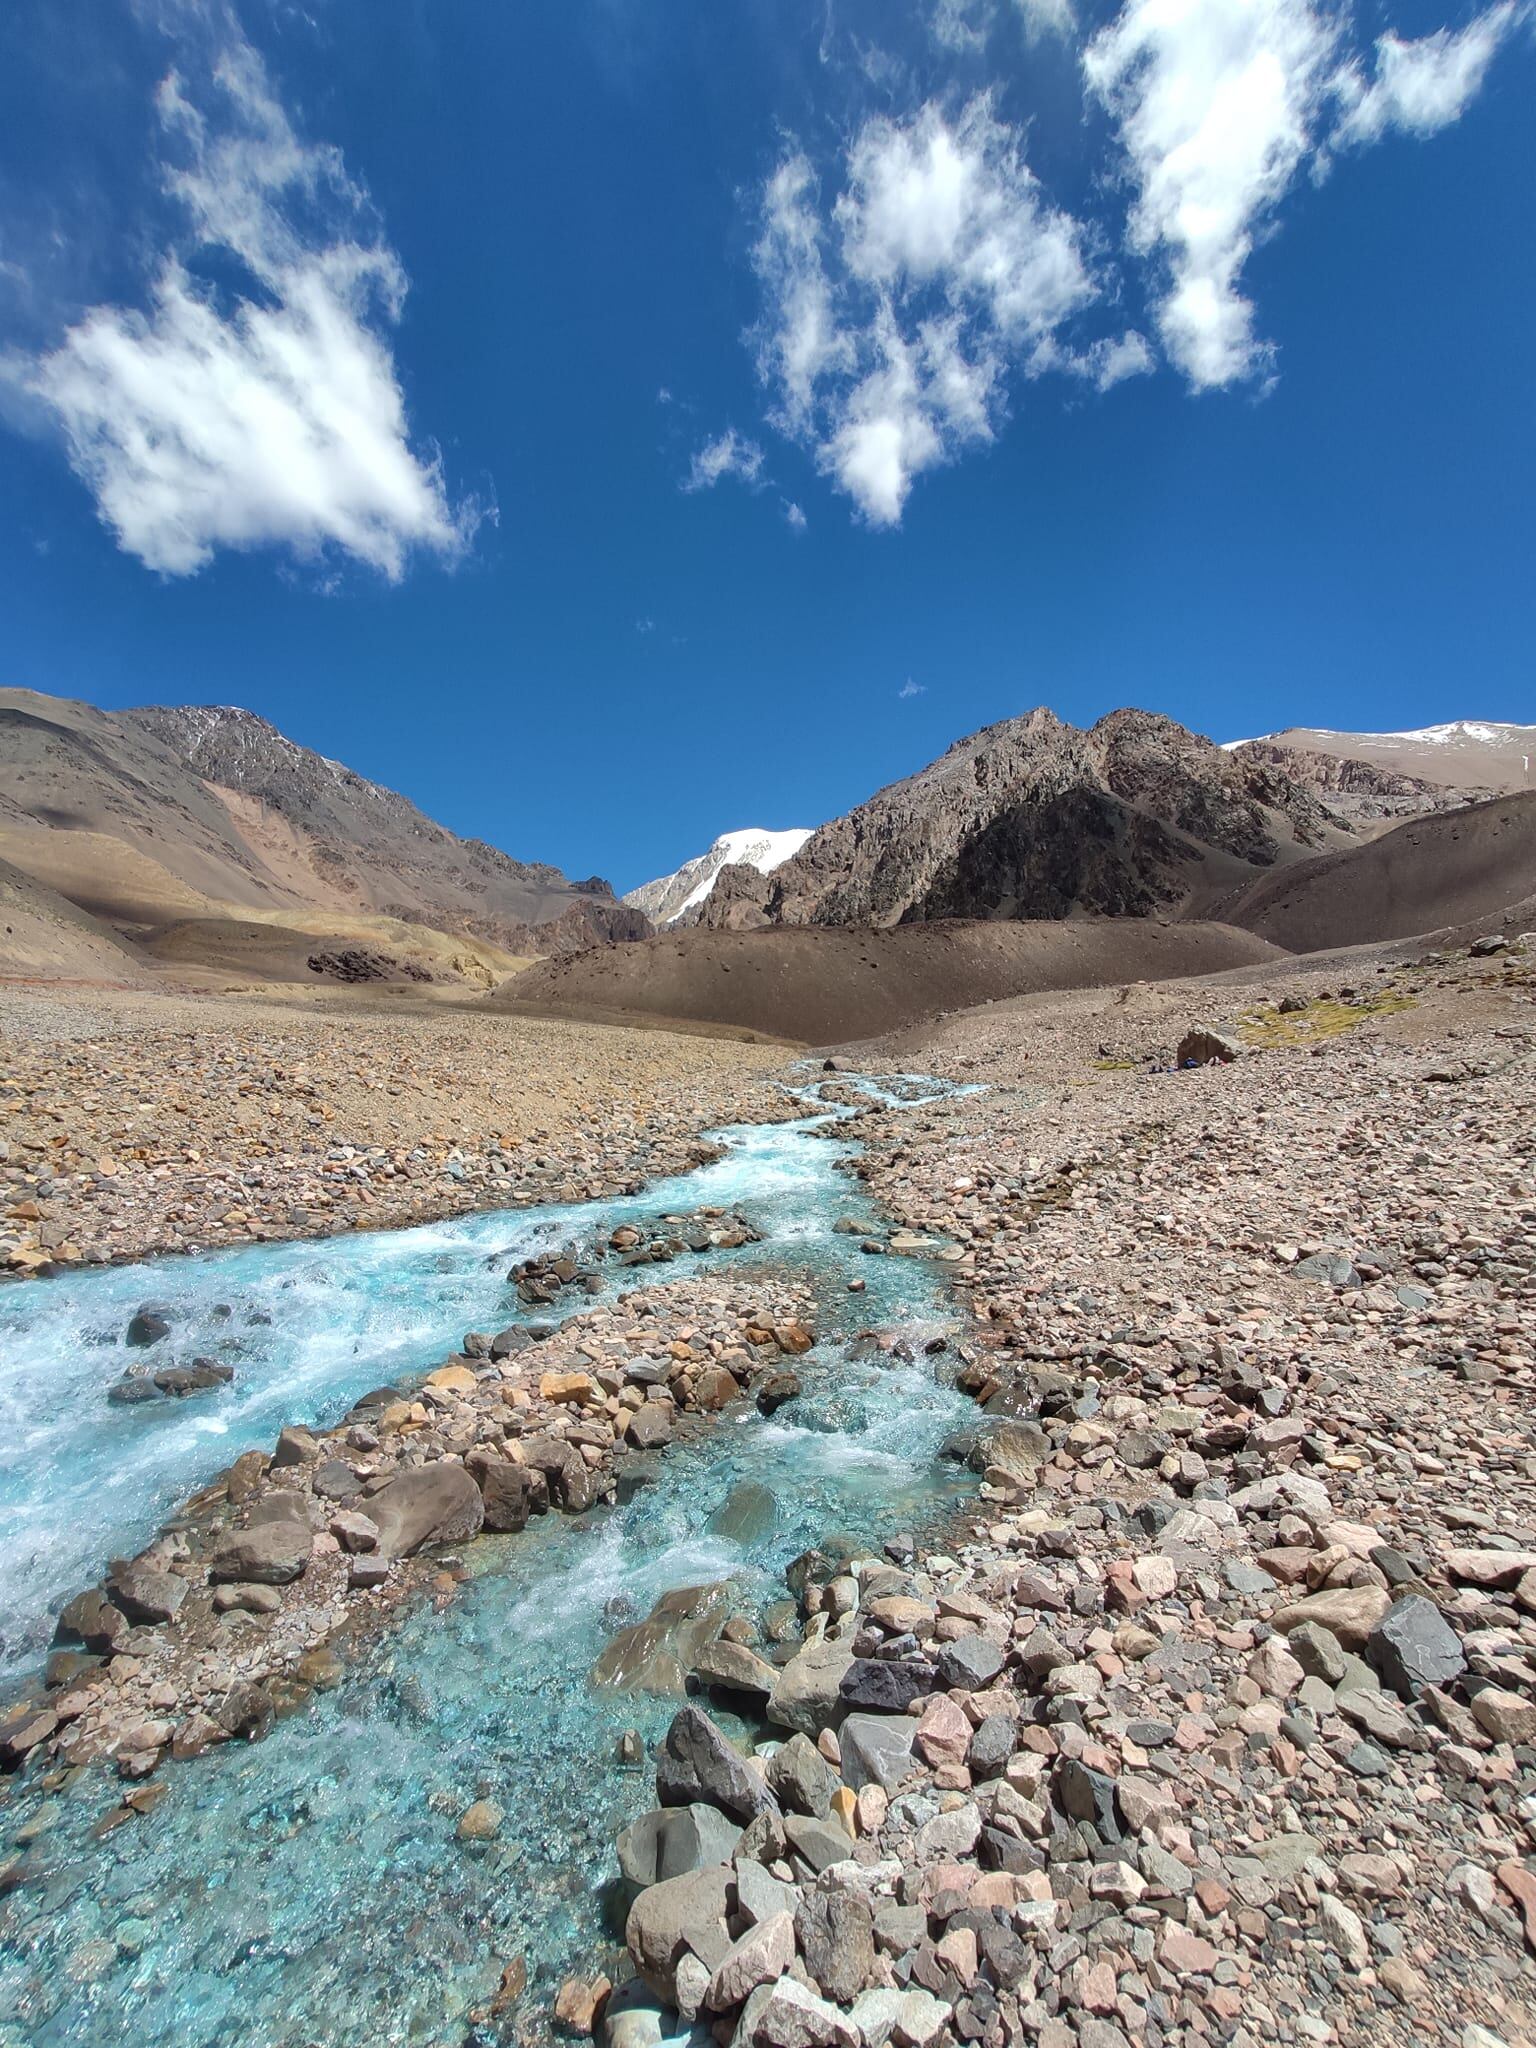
[[669, 897]]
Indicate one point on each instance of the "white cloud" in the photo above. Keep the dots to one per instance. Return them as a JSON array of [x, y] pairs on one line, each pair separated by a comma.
[[1107, 362], [268, 413], [729, 454], [911, 689], [1047, 17], [966, 24], [1218, 104], [891, 320], [1214, 101], [794, 517], [1421, 86]]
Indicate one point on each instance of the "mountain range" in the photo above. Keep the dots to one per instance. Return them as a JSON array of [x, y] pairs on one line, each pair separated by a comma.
[[201, 834], [198, 843]]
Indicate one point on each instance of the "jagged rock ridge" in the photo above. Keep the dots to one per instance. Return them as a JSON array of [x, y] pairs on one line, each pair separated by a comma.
[[1033, 818]]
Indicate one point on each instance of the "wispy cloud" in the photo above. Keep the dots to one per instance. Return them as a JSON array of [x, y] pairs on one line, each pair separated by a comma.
[[1418, 87], [911, 280], [266, 412], [910, 689], [794, 516], [645, 625], [729, 455], [891, 314]]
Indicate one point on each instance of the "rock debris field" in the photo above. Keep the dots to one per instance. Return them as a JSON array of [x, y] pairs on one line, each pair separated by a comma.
[[131, 1125], [1212, 1719]]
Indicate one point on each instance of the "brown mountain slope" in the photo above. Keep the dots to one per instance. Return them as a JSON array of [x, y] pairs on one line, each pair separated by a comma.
[[1455, 868], [149, 817], [826, 985], [43, 936], [1034, 819]]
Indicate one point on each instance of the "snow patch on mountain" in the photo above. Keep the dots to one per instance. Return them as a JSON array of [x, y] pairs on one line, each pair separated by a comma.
[[672, 896]]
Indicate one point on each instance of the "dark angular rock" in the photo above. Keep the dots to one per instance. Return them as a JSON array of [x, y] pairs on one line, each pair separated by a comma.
[[991, 1746], [1085, 1795], [877, 1685], [1413, 1645], [146, 1594], [698, 1763], [149, 1326], [969, 1663]]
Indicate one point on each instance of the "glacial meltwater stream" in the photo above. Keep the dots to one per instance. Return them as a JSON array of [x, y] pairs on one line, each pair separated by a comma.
[[310, 1891]]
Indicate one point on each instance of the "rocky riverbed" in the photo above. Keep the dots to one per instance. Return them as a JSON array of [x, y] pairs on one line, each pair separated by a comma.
[[132, 1125], [1219, 1724], [238, 1611]]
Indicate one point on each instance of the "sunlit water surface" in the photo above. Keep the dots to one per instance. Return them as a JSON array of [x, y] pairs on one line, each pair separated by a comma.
[[311, 1892]]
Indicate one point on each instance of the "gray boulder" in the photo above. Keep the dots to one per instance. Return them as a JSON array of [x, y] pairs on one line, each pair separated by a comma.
[[670, 1841], [734, 1668], [969, 1664], [801, 1778], [835, 1931], [436, 1503], [877, 1749]]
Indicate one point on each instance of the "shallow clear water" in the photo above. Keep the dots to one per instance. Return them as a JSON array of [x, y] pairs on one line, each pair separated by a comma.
[[312, 1890]]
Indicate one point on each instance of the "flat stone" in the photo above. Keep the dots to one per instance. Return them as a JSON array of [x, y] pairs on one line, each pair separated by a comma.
[[735, 1668], [760, 1956], [270, 1554], [1413, 1645], [881, 1685], [1349, 1612]]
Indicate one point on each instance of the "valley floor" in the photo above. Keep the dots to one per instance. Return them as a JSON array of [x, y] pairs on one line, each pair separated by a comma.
[[132, 1123], [1225, 1714], [1235, 1730]]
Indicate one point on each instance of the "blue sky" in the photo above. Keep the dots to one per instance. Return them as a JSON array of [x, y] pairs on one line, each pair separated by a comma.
[[612, 424]]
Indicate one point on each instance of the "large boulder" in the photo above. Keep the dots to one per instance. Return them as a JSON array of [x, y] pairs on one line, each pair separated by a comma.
[[682, 1916], [653, 1655], [1203, 1047], [145, 1593], [437, 1503], [698, 1763], [876, 1749], [670, 1841], [271, 1553], [806, 1695]]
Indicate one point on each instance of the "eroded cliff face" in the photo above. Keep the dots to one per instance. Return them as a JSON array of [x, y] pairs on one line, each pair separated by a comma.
[[1035, 818]]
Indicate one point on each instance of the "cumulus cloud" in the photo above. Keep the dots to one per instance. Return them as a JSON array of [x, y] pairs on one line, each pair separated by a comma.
[[1214, 101], [892, 314], [1420, 86], [729, 454], [264, 410]]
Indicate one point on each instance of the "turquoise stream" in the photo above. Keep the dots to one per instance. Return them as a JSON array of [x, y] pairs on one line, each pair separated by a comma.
[[310, 1891]]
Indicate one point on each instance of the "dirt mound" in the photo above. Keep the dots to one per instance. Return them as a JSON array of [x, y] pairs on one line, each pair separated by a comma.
[[824, 986], [1455, 868], [44, 937]]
